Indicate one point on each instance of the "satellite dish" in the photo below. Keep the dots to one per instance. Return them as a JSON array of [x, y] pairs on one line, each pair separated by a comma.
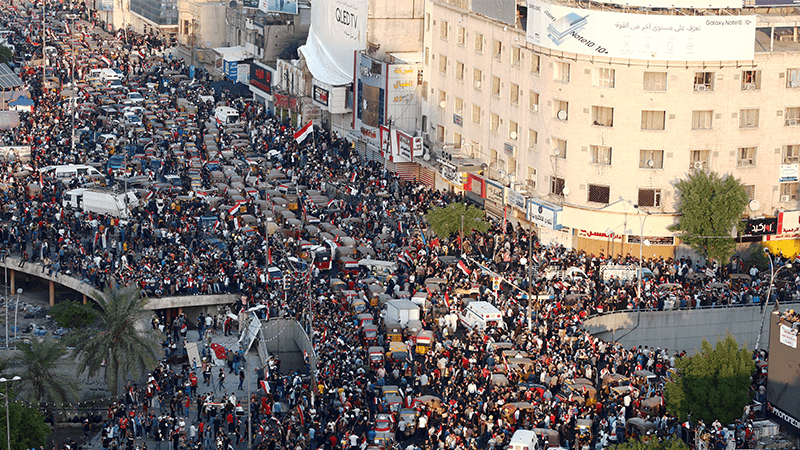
[[556, 151], [513, 135], [754, 205], [426, 156], [562, 115], [565, 191], [650, 163], [442, 104], [646, 242], [233, 4]]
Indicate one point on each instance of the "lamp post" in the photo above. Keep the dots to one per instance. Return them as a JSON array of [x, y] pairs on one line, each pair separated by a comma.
[[16, 313], [641, 244], [772, 273], [8, 419]]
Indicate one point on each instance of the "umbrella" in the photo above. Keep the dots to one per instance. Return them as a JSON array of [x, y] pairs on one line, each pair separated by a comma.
[[521, 405]]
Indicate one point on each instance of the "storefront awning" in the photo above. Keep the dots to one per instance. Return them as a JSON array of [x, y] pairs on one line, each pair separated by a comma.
[[321, 64]]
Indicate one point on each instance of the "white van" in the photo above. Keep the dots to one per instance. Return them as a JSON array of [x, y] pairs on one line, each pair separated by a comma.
[[524, 440], [226, 115], [73, 199], [479, 315], [67, 172]]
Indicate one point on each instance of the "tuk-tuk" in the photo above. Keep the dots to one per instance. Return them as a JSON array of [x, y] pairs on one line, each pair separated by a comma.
[[349, 295], [393, 402], [338, 285], [359, 305], [348, 266], [583, 431], [613, 380], [399, 351], [394, 332], [548, 438], [369, 334], [424, 341], [651, 407], [389, 389], [383, 299], [644, 377], [322, 259], [409, 416], [636, 426], [376, 356], [373, 291], [364, 319]]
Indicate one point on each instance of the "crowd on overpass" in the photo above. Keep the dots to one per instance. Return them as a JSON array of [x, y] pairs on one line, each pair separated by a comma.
[[162, 249]]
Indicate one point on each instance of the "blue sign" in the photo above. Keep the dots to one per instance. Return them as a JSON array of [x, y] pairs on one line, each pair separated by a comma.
[[191, 71], [544, 214]]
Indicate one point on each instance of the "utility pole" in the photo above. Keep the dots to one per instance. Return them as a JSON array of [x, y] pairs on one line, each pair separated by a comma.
[[530, 280]]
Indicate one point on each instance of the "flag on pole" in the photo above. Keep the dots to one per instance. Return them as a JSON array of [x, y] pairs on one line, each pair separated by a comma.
[[303, 133], [447, 300], [463, 266], [264, 386], [235, 207], [353, 177]]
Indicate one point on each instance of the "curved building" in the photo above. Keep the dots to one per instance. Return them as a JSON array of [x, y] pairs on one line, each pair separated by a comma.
[[587, 109]]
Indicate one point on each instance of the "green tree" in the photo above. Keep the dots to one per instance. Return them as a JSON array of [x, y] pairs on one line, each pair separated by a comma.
[[70, 314], [446, 221], [28, 429], [651, 443], [711, 208], [114, 344], [36, 364], [5, 54], [712, 384]]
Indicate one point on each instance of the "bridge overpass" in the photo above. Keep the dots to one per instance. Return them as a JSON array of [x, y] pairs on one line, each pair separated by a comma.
[[37, 270], [683, 329]]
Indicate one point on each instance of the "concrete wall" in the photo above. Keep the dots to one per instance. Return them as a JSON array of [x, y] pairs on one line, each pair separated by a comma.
[[682, 330], [287, 339]]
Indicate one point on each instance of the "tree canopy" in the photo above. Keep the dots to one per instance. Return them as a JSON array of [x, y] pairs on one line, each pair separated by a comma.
[[651, 444], [28, 429], [712, 384], [446, 221], [36, 363], [115, 344], [711, 208]]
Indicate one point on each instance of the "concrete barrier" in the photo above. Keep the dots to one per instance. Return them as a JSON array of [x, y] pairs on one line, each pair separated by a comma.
[[287, 339], [682, 329]]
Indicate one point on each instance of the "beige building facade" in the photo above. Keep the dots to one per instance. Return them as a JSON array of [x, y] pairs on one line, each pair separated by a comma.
[[591, 133]]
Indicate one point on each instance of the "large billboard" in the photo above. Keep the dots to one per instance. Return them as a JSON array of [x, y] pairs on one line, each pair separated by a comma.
[[278, 6], [341, 27], [783, 376], [639, 36], [261, 77]]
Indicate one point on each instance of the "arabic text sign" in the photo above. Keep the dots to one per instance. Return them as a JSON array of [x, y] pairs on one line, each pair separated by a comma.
[[639, 36], [789, 223], [789, 172], [761, 227], [516, 199], [544, 214], [788, 336]]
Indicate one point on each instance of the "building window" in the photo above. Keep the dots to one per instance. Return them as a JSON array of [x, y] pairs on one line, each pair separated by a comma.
[[598, 194], [457, 139], [495, 85], [476, 114], [493, 157], [459, 106], [513, 130], [557, 185], [459, 71], [477, 77], [604, 77], [533, 101], [511, 166], [513, 93], [791, 154], [651, 159], [701, 120], [427, 21], [792, 116], [535, 63], [478, 42], [440, 133], [531, 178], [748, 118], [495, 122], [461, 36], [601, 155], [703, 81], [561, 71], [750, 189], [424, 90], [650, 197], [533, 139], [746, 157], [427, 56], [793, 78], [559, 148], [561, 110], [443, 29], [751, 80], [655, 81], [602, 116], [789, 192], [185, 27], [497, 49], [442, 63], [516, 56], [698, 159], [442, 99], [653, 120]]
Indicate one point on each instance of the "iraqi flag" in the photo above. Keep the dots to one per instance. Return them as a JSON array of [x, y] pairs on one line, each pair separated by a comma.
[[353, 177], [235, 207], [463, 266], [303, 133], [405, 257], [264, 386], [106, 60]]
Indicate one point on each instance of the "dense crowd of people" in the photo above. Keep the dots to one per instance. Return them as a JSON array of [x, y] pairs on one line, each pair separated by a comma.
[[478, 399]]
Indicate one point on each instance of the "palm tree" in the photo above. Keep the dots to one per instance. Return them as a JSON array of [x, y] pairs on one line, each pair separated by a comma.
[[115, 344], [36, 363]]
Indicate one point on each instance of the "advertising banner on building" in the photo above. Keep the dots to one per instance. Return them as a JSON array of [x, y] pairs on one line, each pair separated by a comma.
[[278, 6], [788, 336], [788, 225], [341, 27], [640, 36], [789, 173], [320, 95], [544, 214], [261, 78], [516, 199], [761, 227]]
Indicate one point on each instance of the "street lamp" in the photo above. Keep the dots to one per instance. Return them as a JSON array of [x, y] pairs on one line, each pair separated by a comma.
[[641, 244], [8, 420], [16, 313], [772, 273]]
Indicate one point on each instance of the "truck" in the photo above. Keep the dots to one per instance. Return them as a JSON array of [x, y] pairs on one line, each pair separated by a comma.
[[401, 312], [623, 273], [481, 314], [115, 204]]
